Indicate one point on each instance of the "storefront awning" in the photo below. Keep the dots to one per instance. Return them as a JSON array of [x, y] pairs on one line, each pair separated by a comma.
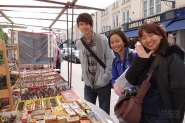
[[165, 23], [131, 34], [176, 25]]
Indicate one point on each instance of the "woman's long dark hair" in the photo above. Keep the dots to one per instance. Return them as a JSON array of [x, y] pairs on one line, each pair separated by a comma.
[[121, 34], [157, 29]]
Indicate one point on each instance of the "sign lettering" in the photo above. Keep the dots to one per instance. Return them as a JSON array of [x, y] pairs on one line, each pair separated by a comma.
[[139, 23]]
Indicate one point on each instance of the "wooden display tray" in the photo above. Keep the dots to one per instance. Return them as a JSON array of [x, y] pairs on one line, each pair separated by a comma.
[[43, 80], [69, 96], [12, 48]]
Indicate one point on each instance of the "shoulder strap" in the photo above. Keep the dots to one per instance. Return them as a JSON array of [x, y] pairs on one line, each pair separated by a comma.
[[130, 55], [125, 54], [154, 65], [115, 65], [146, 84], [92, 53]]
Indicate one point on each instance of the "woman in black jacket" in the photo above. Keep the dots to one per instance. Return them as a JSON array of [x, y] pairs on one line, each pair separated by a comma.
[[164, 102]]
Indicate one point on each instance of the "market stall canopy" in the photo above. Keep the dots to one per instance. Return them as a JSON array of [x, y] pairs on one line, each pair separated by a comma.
[[47, 13]]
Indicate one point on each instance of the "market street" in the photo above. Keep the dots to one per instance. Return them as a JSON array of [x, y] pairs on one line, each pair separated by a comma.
[[78, 85]]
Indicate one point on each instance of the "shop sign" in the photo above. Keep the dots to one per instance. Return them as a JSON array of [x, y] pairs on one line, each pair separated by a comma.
[[180, 13], [139, 23]]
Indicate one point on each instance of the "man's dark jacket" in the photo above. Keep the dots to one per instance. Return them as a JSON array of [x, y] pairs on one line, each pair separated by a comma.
[[170, 78]]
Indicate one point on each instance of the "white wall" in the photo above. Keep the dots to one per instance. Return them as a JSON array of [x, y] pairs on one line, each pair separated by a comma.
[[136, 10], [182, 37]]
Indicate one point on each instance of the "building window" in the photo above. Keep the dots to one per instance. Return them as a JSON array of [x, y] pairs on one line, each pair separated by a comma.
[[126, 16], [158, 6], [105, 12], [115, 4], [144, 8], [123, 1], [151, 7], [104, 25], [115, 21]]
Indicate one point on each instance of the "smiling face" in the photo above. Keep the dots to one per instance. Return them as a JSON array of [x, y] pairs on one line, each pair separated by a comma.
[[84, 28], [150, 40], [117, 44]]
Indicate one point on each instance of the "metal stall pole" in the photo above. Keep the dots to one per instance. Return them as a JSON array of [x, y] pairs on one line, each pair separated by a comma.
[[67, 49], [12, 35], [50, 47], [71, 47]]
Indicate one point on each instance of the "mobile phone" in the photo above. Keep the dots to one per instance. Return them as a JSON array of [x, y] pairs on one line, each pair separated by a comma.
[[146, 49], [138, 42]]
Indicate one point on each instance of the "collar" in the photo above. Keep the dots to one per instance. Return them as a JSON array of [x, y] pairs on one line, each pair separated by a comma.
[[93, 38], [118, 57]]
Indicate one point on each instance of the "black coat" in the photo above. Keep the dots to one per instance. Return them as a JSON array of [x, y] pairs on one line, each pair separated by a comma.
[[170, 78]]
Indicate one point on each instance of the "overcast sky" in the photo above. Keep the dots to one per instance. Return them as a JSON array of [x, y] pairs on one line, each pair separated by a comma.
[[90, 3]]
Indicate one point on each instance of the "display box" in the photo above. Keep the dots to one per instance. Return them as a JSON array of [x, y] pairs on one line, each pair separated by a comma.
[[62, 118], [8, 116], [69, 96], [48, 112], [73, 119], [37, 112], [24, 117], [29, 105], [38, 117], [85, 106], [58, 108], [74, 105], [40, 121], [60, 99], [37, 105], [81, 113], [53, 102], [85, 121], [94, 118], [50, 119], [80, 101], [20, 105], [65, 105], [32, 121], [70, 112], [46, 103], [57, 113]]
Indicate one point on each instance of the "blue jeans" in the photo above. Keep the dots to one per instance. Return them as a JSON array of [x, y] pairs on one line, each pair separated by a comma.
[[103, 94], [153, 119]]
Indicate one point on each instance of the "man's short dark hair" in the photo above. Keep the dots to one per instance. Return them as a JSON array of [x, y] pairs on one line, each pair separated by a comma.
[[85, 17]]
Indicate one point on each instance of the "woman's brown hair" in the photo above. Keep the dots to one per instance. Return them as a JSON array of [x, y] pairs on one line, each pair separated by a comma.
[[157, 29]]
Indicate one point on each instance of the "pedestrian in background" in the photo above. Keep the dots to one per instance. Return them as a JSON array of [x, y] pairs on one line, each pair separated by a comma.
[[164, 102], [96, 78]]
